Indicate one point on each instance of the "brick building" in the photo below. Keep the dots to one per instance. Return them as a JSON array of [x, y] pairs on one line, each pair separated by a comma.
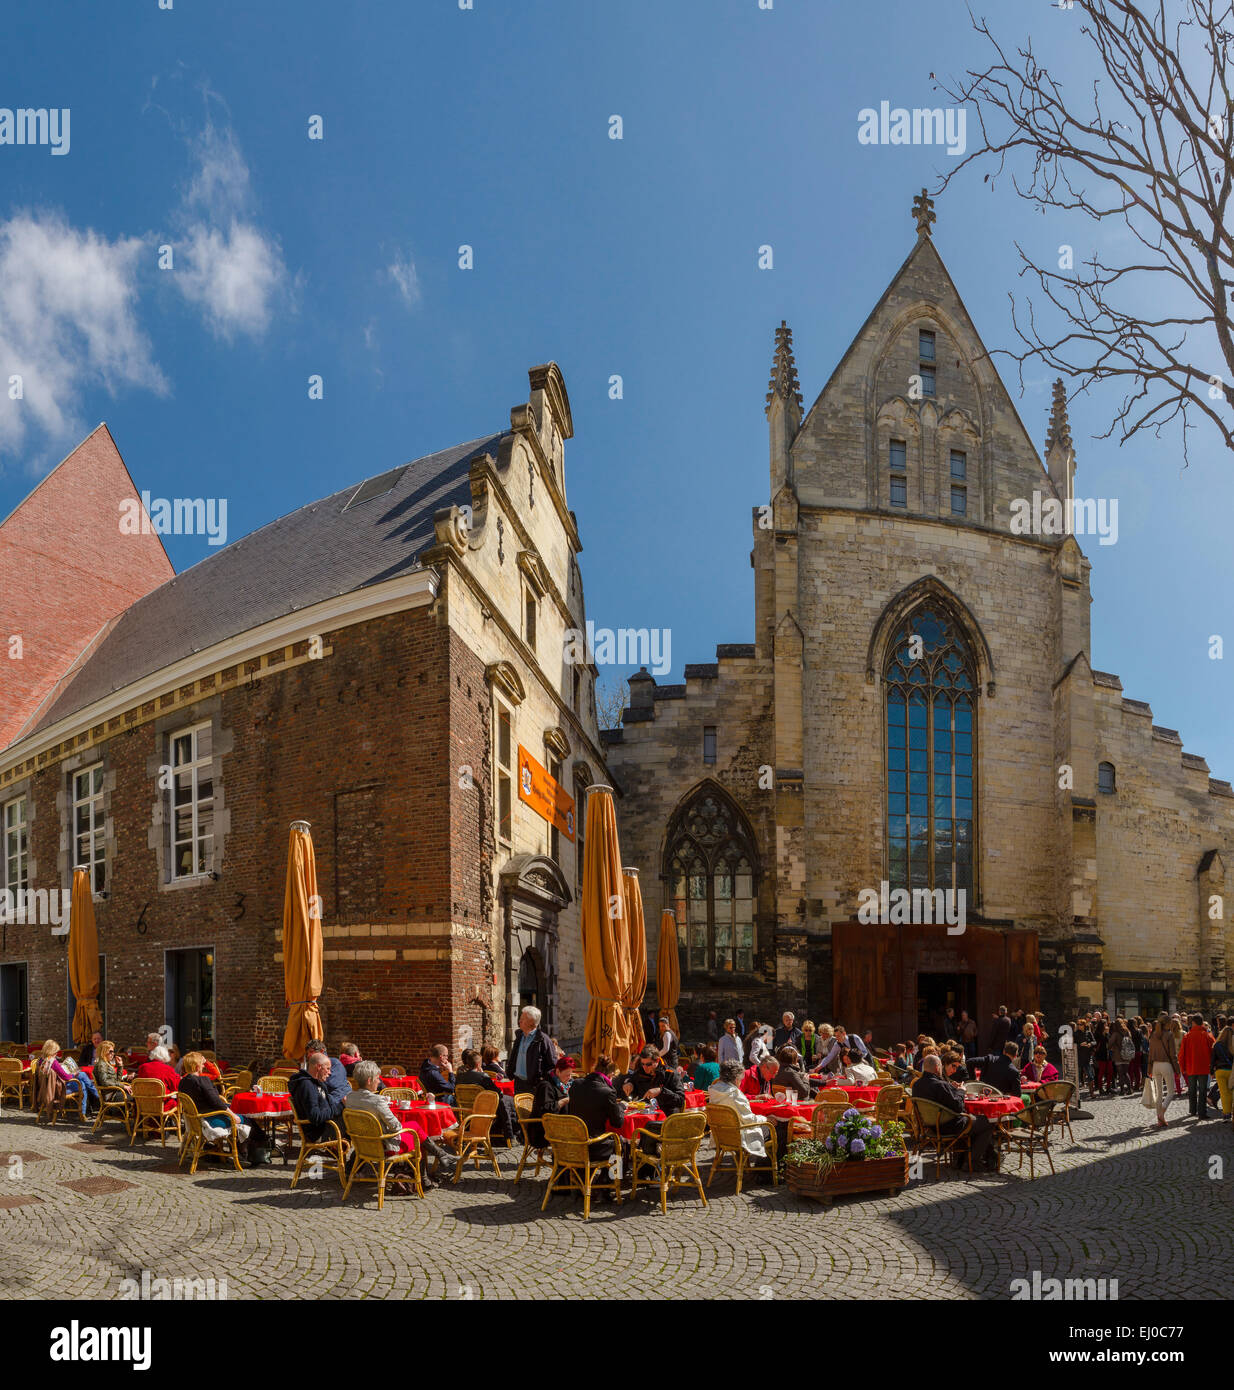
[[381, 663], [918, 709]]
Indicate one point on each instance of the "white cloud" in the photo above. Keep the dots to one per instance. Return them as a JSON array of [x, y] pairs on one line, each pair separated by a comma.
[[403, 273], [225, 264], [67, 322]]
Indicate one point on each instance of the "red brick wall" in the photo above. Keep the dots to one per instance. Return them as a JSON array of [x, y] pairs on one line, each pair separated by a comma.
[[65, 570], [385, 722]]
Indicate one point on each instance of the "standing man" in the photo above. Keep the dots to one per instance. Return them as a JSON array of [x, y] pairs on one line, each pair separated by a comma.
[[1000, 1033], [787, 1034], [1195, 1060], [531, 1056], [713, 1028], [741, 1023], [729, 1047], [968, 1033]]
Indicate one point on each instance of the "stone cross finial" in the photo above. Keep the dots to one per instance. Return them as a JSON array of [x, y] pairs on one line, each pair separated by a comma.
[[784, 381], [923, 211], [1060, 426]]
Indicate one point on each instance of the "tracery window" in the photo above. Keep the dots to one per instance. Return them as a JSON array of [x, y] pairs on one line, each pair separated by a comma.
[[930, 705], [711, 867]]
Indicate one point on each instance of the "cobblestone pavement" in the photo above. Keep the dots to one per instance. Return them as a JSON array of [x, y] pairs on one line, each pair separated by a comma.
[[1128, 1202]]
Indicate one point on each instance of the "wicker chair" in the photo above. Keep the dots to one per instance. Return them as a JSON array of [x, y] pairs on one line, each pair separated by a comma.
[[394, 1071], [396, 1095], [1060, 1094], [574, 1165], [149, 1116], [889, 1106], [15, 1081], [676, 1163], [273, 1085], [197, 1142], [929, 1119], [726, 1130], [1032, 1135], [472, 1138], [235, 1081], [826, 1113], [50, 1101], [333, 1144], [533, 1135], [465, 1098], [366, 1136], [981, 1088], [115, 1103]]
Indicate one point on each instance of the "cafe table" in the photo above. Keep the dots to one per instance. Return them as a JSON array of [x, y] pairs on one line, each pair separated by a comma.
[[634, 1121], [434, 1119], [269, 1110], [696, 1100], [866, 1095], [783, 1109], [504, 1085]]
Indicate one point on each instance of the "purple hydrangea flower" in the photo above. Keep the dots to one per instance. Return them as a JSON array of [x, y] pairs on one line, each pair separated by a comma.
[[856, 1147], [876, 1131], [831, 1146], [848, 1114]]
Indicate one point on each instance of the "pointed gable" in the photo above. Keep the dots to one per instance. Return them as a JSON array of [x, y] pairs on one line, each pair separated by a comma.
[[66, 571], [879, 393]]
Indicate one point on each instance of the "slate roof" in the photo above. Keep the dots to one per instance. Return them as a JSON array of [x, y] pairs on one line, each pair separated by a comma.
[[319, 552]]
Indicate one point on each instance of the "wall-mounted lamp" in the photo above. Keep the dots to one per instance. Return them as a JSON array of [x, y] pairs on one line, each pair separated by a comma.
[[214, 874]]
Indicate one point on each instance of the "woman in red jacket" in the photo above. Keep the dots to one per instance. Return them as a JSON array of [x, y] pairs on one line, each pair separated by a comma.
[[159, 1067]]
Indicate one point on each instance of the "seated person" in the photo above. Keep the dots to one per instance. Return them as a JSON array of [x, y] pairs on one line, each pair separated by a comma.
[[173, 1057], [999, 1070], [86, 1059], [106, 1072], [594, 1101], [649, 1079], [489, 1062], [76, 1083], [505, 1122], [437, 1074], [201, 1090], [311, 1097], [757, 1081], [931, 1085], [730, 1090], [349, 1055], [858, 1072], [955, 1064], [554, 1089], [899, 1067], [338, 1084], [402, 1135], [158, 1066], [792, 1074], [708, 1069], [1039, 1069]]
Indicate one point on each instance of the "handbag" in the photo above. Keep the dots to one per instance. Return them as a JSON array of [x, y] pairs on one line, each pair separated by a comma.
[[1148, 1099]]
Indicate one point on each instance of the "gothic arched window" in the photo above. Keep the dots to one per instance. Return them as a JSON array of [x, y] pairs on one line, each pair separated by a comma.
[[930, 681], [710, 863]]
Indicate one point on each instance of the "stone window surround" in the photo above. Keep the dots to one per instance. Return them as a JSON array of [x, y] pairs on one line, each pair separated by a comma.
[[74, 763], [17, 792], [161, 730]]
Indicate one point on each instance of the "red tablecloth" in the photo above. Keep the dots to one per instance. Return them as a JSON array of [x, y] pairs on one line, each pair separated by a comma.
[[862, 1093], [258, 1103], [1029, 1085], [505, 1087], [781, 1110], [635, 1120], [434, 1119], [696, 1100], [987, 1105]]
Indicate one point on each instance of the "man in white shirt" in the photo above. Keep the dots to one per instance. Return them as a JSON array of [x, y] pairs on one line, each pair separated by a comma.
[[858, 1073], [729, 1049]]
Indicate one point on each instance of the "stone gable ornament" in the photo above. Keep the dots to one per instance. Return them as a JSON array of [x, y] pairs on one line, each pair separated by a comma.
[[923, 211]]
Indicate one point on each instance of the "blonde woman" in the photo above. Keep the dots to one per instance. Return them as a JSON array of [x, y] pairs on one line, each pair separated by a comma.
[[809, 1044], [1162, 1068], [106, 1073], [75, 1083], [1174, 1040]]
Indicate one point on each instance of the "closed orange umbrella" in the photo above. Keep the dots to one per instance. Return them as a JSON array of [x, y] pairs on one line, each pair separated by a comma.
[[606, 954], [636, 933], [302, 973], [668, 970], [84, 960]]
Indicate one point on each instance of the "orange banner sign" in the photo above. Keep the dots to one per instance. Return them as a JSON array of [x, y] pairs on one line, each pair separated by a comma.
[[540, 790]]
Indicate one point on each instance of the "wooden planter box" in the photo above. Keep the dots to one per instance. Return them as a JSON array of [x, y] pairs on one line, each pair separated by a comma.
[[853, 1175]]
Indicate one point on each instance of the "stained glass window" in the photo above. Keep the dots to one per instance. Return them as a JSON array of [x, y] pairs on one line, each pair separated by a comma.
[[709, 866], [930, 685]]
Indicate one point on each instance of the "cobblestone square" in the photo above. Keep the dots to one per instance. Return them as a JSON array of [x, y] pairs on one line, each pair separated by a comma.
[[1127, 1202]]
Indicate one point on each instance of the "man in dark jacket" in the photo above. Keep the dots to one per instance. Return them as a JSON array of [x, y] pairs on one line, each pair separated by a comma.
[[649, 1079], [931, 1086], [338, 1085], [594, 1101], [311, 1098], [999, 1069], [1000, 1032], [531, 1053], [437, 1075], [787, 1034]]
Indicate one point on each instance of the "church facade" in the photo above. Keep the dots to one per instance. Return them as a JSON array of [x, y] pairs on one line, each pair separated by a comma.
[[918, 711]]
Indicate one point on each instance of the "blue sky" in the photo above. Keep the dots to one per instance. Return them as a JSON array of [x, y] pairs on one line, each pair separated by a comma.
[[490, 127]]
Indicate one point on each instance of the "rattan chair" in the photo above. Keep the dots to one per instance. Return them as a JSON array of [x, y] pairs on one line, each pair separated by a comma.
[[333, 1144], [15, 1081], [236, 1081], [149, 1096], [472, 1138], [273, 1085], [366, 1136], [533, 1135], [115, 1103], [465, 1098], [574, 1164], [826, 1113], [396, 1095], [676, 1162], [1060, 1094], [49, 1101], [981, 1088], [206, 1141], [727, 1127], [1031, 1135], [889, 1107], [930, 1117], [394, 1070]]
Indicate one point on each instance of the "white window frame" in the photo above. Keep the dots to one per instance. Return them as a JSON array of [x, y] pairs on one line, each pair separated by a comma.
[[196, 802], [98, 823], [20, 827], [504, 773]]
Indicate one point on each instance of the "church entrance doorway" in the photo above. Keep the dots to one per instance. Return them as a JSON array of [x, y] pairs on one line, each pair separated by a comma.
[[936, 993]]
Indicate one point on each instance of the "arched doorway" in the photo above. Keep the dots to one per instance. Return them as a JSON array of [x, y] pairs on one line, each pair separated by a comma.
[[533, 892], [531, 981]]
